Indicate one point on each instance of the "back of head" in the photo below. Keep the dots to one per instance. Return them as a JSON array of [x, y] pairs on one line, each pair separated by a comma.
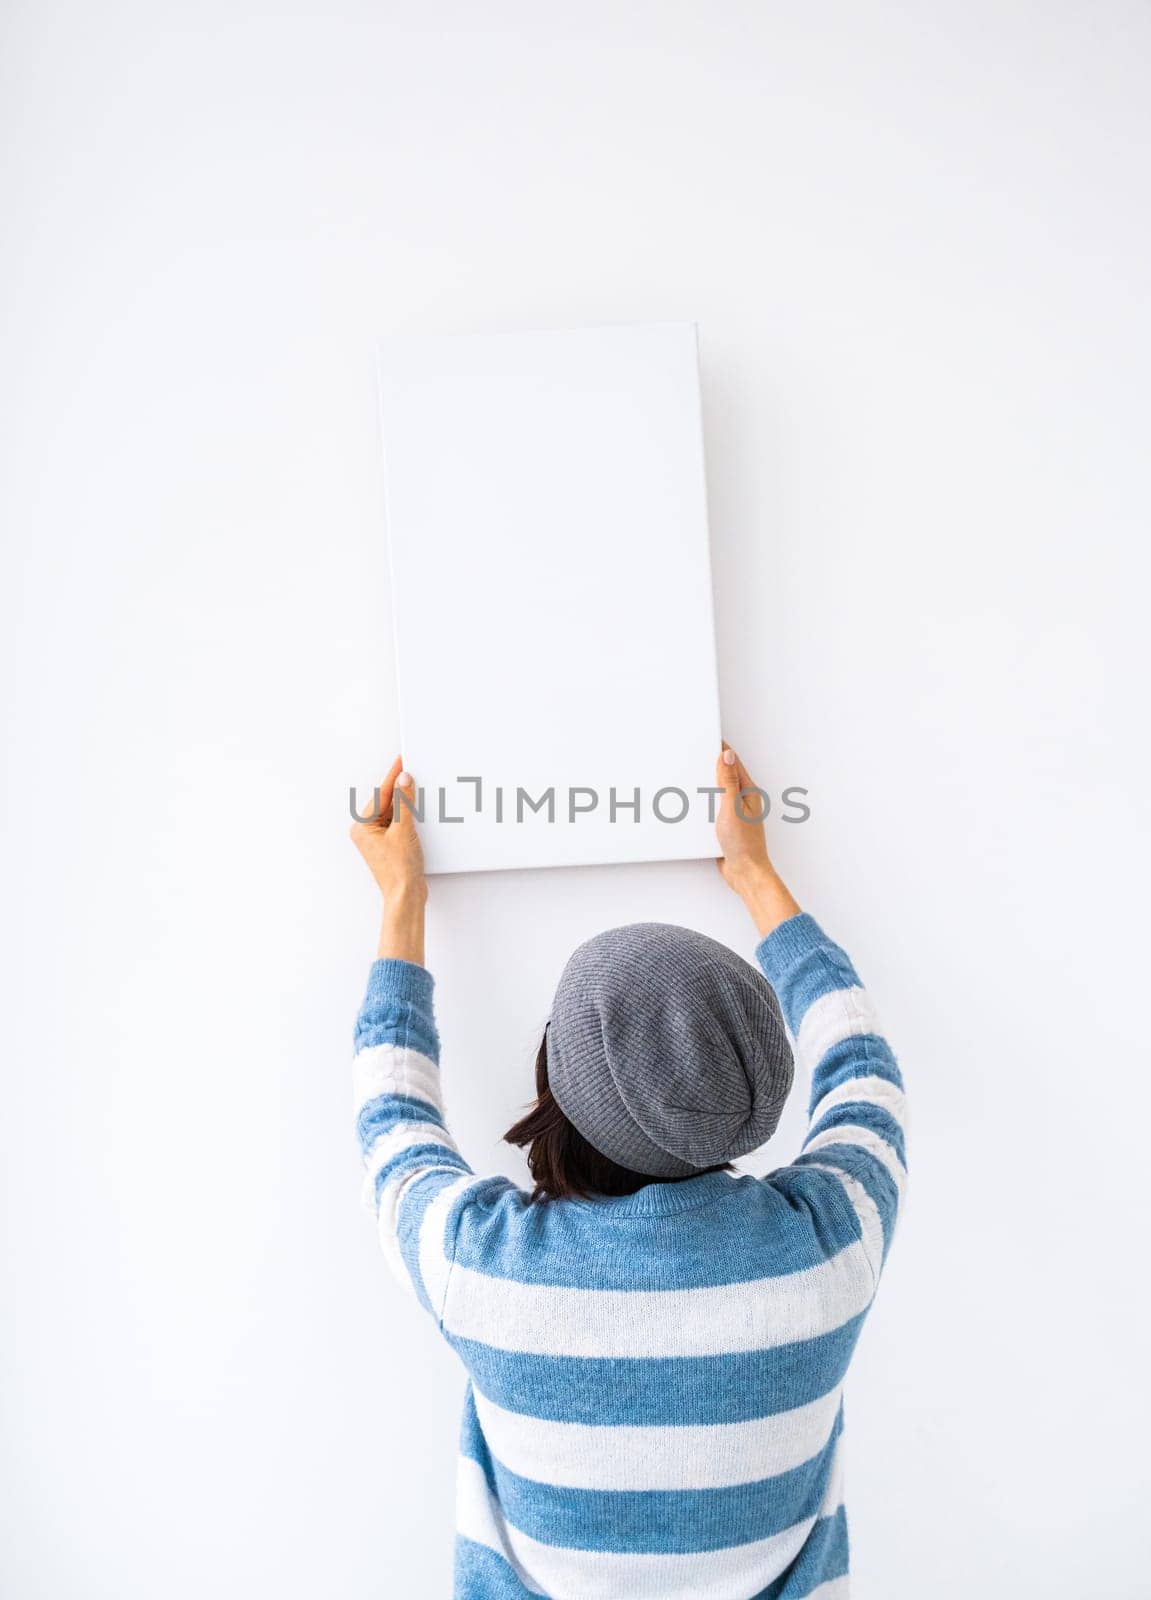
[[666, 1053]]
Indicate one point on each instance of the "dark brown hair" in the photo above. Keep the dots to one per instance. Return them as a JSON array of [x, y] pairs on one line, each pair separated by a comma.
[[561, 1161]]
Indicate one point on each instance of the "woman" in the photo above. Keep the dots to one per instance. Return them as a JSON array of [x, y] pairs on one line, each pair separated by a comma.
[[655, 1344]]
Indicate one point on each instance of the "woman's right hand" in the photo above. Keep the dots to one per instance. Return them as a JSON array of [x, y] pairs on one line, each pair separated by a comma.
[[745, 865], [390, 845]]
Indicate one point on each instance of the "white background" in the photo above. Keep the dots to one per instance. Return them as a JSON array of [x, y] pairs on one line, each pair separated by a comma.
[[916, 242]]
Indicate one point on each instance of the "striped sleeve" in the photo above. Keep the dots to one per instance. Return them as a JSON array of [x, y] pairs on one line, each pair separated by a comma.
[[857, 1107], [414, 1174]]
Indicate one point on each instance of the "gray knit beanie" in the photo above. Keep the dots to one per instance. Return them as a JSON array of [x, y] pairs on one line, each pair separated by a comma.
[[666, 1050]]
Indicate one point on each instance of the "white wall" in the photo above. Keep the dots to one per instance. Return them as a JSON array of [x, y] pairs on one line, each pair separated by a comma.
[[916, 241]]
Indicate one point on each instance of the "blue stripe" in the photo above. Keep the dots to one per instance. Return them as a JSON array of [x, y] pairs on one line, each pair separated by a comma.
[[860, 1055], [763, 1228], [862, 1114], [385, 1111], [871, 1173], [435, 1158], [665, 1522], [814, 978], [825, 1555], [474, 1446], [658, 1391], [832, 1215], [482, 1574], [399, 1024], [822, 969], [398, 1009]]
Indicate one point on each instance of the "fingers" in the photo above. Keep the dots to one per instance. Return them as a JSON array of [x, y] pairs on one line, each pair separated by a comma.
[[403, 814], [736, 782], [727, 770], [379, 812], [727, 779], [732, 770], [387, 786]]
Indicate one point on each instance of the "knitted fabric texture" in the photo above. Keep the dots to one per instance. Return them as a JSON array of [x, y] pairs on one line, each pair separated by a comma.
[[666, 1050], [654, 1404]]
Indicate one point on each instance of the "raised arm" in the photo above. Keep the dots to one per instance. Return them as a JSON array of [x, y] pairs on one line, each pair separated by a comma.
[[856, 1110], [856, 1129], [414, 1174]]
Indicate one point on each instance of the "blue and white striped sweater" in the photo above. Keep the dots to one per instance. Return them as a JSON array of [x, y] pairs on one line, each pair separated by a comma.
[[654, 1400]]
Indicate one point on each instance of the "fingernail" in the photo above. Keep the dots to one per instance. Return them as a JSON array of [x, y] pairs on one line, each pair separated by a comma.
[[729, 758], [404, 780]]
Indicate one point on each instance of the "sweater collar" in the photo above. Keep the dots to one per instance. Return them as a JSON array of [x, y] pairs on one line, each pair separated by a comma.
[[662, 1199]]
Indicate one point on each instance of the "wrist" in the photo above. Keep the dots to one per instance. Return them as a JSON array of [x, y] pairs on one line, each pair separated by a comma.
[[767, 898], [402, 926], [411, 895], [749, 877]]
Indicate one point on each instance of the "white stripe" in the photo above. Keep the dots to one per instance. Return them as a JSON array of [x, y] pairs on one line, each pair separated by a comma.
[[604, 1575], [547, 1319], [392, 1197], [479, 1518], [865, 1209], [867, 1139], [874, 1091], [842, 1014], [395, 1069], [835, 1589], [405, 1136], [435, 1264], [574, 1455], [387, 1227]]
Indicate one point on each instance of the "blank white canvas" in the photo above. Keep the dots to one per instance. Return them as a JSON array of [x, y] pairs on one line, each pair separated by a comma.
[[547, 525]]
